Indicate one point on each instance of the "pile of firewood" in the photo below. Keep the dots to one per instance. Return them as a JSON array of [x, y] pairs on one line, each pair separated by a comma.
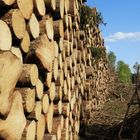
[[45, 61]]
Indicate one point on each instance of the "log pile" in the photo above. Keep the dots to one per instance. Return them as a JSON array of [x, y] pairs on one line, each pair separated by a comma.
[[45, 69], [99, 82]]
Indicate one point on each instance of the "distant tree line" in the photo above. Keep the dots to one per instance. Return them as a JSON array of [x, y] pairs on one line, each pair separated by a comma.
[[121, 69]]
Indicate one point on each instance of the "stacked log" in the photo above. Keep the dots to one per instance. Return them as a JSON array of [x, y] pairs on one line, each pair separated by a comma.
[[45, 64]]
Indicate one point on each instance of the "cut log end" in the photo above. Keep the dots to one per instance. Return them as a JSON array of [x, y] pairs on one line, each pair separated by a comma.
[[5, 36], [26, 7]]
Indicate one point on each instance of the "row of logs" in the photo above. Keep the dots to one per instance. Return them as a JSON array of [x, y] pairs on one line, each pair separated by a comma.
[[46, 70]]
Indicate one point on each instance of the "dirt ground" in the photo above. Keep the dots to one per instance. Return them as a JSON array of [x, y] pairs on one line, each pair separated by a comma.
[[105, 124]]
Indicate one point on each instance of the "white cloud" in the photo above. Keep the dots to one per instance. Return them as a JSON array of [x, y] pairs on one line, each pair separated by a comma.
[[123, 36]]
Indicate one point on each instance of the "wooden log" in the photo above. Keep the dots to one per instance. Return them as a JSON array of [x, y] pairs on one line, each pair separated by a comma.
[[87, 108], [61, 122], [65, 68], [28, 97], [72, 102], [45, 103], [40, 127], [65, 134], [39, 88], [16, 22], [12, 128], [79, 56], [81, 89], [29, 130], [58, 13], [49, 118], [77, 34], [16, 51], [67, 47], [72, 8], [57, 109], [46, 26], [69, 63], [10, 67], [56, 129], [66, 35], [70, 22], [51, 92], [7, 2], [33, 26], [49, 137], [80, 45], [65, 109], [89, 71], [66, 123], [56, 49], [29, 75], [50, 5], [58, 29], [65, 88], [26, 7], [75, 26], [67, 98], [55, 69], [5, 35], [39, 7], [71, 119], [83, 58], [60, 63], [73, 60], [63, 54], [36, 113], [72, 82], [60, 44], [41, 53], [60, 79], [68, 80], [82, 35], [66, 22], [58, 95], [66, 6], [73, 71], [71, 36], [48, 80], [25, 42]]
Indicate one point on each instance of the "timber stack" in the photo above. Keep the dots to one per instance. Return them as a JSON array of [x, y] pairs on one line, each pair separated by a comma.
[[45, 70]]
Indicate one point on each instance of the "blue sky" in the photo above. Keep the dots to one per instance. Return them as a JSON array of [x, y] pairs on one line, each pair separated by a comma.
[[122, 32]]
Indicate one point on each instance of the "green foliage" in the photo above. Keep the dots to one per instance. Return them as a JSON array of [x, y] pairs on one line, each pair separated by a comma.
[[124, 72], [112, 60], [89, 17], [98, 53]]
